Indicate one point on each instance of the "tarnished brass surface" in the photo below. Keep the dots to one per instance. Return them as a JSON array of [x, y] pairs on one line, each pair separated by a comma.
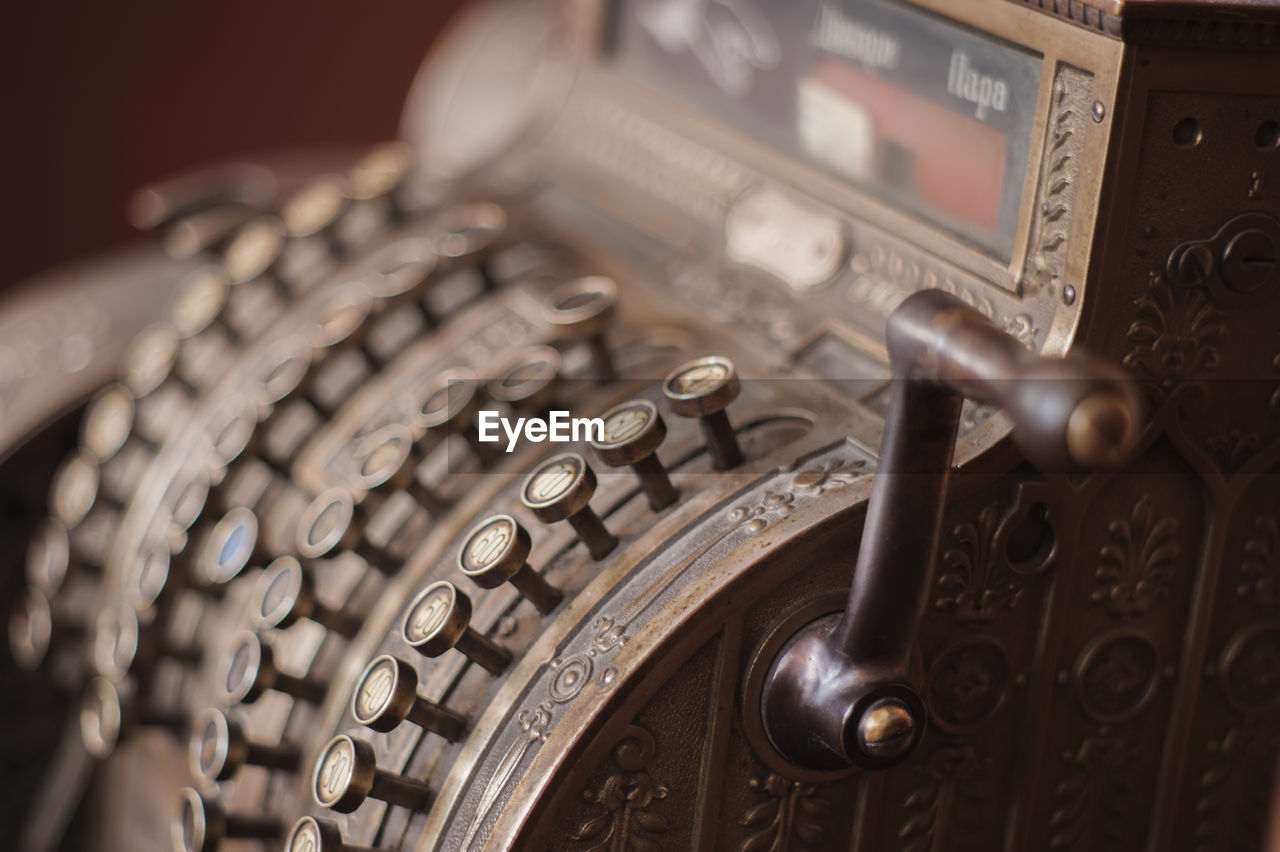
[[1096, 663]]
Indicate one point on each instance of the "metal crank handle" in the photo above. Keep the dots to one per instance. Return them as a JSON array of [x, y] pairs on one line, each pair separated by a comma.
[[842, 691]]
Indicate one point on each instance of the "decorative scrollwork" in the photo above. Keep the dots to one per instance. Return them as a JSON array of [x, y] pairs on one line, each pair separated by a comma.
[[976, 584], [1063, 146], [1134, 572], [947, 808], [627, 823], [1091, 801], [1176, 334], [1260, 569], [829, 476], [788, 820]]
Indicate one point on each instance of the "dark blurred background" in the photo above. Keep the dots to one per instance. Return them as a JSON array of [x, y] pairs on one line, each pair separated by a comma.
[[103, 97]]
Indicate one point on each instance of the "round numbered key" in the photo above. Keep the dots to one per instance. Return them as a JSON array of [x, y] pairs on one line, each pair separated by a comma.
[[497, 552], [582, 310], [387, 694], [560, 489], [703, 388], [108, 422], [219, 748], [251, 672], [439, 619], [346, 774], [202, 824], [330, 525], [286, 595], [107, 717], [319, 835], [632, 433]]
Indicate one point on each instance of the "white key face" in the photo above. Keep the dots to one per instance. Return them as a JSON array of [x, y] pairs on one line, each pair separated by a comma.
[[429, 614], [376, 689], [552, 481], [282, 590], [383, 459], [305, 838], [700, 379], [626, 424], [333, 776], [489, 544], [108, 422], [75, 490]]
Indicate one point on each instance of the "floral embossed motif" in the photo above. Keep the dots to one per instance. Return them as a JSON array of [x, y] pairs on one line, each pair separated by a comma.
[[967, 684], [1090, 803], [975, 587], [627, 824], [829, 475], [1118, 677], [1176, 334], [1260, 570], [789, 820], [1134, 570], [947, 809], [1236, 790], [1233, 448], [1252, 669]]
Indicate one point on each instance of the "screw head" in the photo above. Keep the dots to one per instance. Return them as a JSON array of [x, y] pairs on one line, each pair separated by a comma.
[[886, 729]]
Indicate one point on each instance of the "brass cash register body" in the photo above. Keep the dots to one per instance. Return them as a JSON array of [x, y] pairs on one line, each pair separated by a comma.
[[1099, 657]]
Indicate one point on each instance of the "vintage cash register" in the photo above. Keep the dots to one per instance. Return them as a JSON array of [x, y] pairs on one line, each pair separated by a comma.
[[928, 352]]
